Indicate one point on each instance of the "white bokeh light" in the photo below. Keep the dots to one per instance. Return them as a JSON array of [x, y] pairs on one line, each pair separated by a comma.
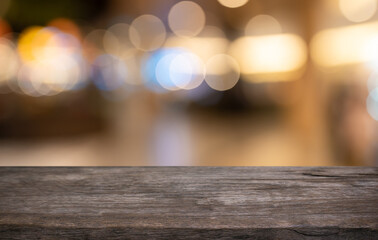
[[222, 72], [147, 33], [358, 10], [262, 25], [233, 3], [186, 19]]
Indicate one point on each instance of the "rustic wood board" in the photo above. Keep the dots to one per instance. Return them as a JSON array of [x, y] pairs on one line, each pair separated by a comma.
[[189, 203]]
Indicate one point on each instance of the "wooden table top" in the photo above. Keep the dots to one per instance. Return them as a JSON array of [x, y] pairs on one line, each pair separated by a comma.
[[189, 203]]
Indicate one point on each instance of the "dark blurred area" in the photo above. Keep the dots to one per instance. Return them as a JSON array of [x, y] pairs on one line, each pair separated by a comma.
[[167, 82]]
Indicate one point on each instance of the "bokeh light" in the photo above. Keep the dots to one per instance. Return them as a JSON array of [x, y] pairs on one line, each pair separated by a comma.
[[270, 54], [147, 33], [67, 26], [162, 71], [358, 11], [4, 27], [116, 39], [372, 104], [149, 68], [93, 44], [345, 45], [222, 72], [233, 3], [27, 43], [262, 25], [370, 52], [210, 31], [187, 70], [47, 78], [130, 70], [211, 41], [9, 61], [53, 62], [186, 19]]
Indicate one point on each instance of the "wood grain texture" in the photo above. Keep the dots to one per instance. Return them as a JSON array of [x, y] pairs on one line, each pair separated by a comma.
[[189, 203]]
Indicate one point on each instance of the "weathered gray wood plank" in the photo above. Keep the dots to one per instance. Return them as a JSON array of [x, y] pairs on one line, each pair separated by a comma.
[[189, 203]]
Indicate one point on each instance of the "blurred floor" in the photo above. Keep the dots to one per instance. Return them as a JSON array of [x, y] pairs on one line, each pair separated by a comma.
[[142, 133]]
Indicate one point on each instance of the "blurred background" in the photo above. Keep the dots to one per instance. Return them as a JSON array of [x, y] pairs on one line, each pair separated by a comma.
[[167, 82]]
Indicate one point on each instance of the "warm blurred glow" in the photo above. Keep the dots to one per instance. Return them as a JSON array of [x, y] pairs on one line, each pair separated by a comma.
[[28, 42], [370, 52], [358, 10], [186, 19], [233, 3], [52, 62], [9, 62], [4, 27], [67, 26], [270, 54], [212, 32], [204, 47], [147, 33], [211, 41], [222, 72], [46, 78], [346, 45], [262, 25]]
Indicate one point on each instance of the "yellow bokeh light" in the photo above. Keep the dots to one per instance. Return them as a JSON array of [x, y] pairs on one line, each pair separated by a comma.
[[45, 44], [358, 10], [270, 54], [37, 43], [147, 33], [186, 19], [26, 43], [345, 45], [52, 62], [233, 3]]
